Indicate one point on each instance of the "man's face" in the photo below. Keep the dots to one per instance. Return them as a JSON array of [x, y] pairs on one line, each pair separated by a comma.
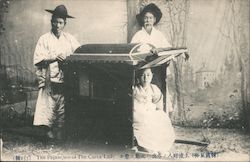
[[58, 25], [149, 20]]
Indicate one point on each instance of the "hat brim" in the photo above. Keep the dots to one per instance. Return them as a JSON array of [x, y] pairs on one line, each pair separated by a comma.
[[53, 12], [139, 19]]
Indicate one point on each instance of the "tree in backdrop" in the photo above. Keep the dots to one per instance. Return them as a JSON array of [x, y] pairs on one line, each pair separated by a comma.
[[188, 78], [178, 19], [16, 65], [4, 5], [236, 32]]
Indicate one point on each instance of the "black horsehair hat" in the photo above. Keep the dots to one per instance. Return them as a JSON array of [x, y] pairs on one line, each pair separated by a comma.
[[149, 8], [60, 11]]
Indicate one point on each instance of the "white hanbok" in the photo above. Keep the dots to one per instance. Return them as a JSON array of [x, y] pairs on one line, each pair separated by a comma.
[[156, 38], [50, 107], [152, 126]]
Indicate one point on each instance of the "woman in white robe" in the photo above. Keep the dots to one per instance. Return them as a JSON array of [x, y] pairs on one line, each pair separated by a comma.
[[151, 125]]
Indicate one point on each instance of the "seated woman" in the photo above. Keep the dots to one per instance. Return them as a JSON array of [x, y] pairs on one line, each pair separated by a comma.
[[151, 125]]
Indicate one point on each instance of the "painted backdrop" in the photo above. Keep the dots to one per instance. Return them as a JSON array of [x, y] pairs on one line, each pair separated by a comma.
[[211, 89]]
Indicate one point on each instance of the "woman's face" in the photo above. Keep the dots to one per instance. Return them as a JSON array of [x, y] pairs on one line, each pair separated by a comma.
[[146, 77], [149, 20]]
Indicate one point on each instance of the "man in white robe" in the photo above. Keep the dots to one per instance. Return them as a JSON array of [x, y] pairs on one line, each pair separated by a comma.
[[51, 50]]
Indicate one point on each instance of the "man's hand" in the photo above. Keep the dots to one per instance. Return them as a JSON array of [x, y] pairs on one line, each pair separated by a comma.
[[60, 58], [170, 114], [157, 109], [154, 51], [186, 56]]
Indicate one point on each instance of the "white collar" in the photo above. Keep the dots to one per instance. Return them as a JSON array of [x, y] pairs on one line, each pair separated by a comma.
[[55, 36], [149, 87], [153, 30]]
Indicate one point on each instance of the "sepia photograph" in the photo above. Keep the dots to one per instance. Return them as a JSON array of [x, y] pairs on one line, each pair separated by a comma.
[[125, 80]]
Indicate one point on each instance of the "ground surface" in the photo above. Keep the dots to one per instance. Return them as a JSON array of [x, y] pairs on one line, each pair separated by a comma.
[[225, 145]]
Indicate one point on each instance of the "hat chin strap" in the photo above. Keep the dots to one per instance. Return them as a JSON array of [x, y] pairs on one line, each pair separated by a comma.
[[147, 29], [57, 34]]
